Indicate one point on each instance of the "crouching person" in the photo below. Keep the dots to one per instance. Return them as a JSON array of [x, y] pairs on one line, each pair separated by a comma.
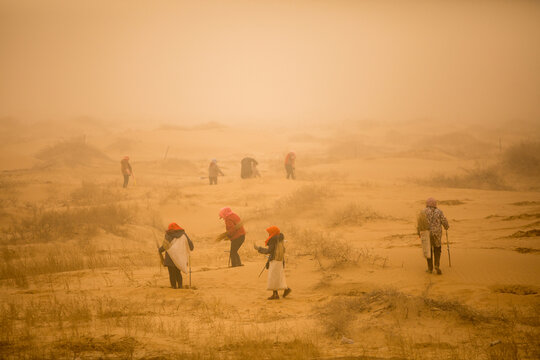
[[276, 262], [176, 254]]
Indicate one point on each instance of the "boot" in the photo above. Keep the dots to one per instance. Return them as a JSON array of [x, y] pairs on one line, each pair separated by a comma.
[[439, 272], [274, 296], [287, 292]]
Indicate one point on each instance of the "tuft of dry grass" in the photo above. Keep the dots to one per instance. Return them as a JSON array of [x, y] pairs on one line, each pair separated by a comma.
[[353, 214], [302, 198], [514, 289], [329, 251]]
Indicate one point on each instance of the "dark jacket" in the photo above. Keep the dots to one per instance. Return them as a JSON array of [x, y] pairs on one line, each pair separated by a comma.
[[170, 236], [271, 248], [246, 171]]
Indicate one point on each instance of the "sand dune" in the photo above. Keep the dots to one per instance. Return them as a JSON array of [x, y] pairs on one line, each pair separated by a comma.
[[81, 276]]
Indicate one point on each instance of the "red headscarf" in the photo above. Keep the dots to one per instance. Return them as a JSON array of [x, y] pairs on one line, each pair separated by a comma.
[[272, 231], [174, 227], [224, 212]]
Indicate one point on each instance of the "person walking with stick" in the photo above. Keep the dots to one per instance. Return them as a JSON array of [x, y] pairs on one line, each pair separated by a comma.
[[275, 264], [434, 221], [176, 256]]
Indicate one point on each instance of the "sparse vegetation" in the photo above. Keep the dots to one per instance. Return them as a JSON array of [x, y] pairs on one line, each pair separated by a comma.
[[353, 214], [329, 251], [515, 289], [488, 178], [43, 225], [93, 194], [303, 198], [527, 233], [523, 158], [450, 202], [75, 152]]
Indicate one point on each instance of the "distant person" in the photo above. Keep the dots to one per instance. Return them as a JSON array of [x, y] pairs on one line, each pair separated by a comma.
[[435, 219], [256, 173], [290, 165], [247, 164], [126, 169], [174, 231], [234, 232], [213, 172], [275, 250]]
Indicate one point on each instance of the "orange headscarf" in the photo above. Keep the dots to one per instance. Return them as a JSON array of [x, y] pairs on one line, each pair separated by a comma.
[[272, 231], [174, 226]]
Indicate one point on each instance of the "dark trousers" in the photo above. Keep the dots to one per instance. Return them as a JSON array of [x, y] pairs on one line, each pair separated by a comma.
[[126, 180], [290, 171], [435, 257], [235, 245], [213, 180], [175, 276]]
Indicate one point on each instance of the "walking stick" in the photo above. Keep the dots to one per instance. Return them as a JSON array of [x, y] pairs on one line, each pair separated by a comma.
[[264, 267], [448, 248]]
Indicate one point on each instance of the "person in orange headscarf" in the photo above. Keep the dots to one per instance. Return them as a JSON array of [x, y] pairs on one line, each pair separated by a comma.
[[175, 276], [125, 168], [275, 250], [235, 232]]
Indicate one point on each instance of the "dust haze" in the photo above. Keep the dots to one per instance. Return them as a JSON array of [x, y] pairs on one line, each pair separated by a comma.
[[384, 104]]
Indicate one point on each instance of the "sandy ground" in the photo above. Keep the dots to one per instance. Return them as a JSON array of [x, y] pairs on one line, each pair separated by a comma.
[[359, 285]]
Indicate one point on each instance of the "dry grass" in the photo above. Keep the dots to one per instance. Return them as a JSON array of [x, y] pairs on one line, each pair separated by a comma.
[[329, 251], [397, 314], [451, 202], [525, 216], [302, 198], [353, 214], [72, 153], [523, 158], [43, 225], [485, 178], [91, 194], [515, 289]]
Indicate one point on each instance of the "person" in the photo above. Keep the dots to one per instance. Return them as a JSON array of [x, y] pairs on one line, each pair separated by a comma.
[[235, 232], [290, 165], [247, 165], [256, 173], [214, 171], [174, 231], [435, 219], [125, 168], [275, 250]]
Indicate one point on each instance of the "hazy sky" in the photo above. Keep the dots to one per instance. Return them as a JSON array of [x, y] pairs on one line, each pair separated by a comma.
[[270, 60]]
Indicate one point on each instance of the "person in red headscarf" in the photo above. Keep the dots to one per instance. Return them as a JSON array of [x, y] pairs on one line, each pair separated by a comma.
[[235, 232], [125, 168], [275, 250], [290, 165], [175, 275]]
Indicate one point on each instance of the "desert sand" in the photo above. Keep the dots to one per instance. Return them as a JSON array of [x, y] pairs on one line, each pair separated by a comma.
[[81, 276]]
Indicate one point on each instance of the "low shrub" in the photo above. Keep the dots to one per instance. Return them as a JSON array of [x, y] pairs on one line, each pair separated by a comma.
[[488, 178], [523, 158]]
